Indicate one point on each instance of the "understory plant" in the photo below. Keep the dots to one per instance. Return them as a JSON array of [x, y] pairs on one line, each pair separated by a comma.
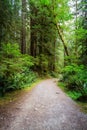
[[75, 78], [15, 68]]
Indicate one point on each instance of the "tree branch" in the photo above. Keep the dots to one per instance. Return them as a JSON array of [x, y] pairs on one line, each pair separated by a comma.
[[63, 41]]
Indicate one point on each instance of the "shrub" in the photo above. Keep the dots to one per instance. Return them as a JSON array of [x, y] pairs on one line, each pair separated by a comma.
[[15, 69], [75, 78], [10, 50], [41, 63]]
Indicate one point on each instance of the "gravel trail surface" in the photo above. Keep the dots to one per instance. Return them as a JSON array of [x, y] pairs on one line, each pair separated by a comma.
[[46, 107]]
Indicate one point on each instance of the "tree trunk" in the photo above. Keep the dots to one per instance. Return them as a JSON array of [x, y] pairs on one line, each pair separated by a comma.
[[63, 41], [23, 31], [33, 31]]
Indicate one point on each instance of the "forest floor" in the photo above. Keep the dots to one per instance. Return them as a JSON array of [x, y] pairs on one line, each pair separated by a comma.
[[45, 107]]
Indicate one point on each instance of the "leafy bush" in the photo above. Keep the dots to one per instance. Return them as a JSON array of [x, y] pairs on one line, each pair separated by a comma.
[[14, 68], [19, 80], [10, 50], [41, 63], [75, 78]]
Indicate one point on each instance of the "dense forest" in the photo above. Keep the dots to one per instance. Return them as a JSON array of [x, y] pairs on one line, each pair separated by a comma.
[[43, 37]]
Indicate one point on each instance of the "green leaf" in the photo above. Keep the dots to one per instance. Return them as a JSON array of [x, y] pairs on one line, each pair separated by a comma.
[[45, 2]]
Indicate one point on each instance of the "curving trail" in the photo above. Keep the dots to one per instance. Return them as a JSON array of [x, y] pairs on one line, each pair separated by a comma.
[[46, 107]]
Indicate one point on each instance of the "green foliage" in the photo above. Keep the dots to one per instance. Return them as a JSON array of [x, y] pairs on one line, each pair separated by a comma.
[[15, 68], [10, 20], [45, 2], [44, 15], [41, 63], [71, 93], [75, 78], [74, 95], [10, 50], [19, 80]]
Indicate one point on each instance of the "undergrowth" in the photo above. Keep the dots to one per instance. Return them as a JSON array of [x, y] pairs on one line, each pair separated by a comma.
[[16, 94], [75, 81], [15, 69], [75, 96]]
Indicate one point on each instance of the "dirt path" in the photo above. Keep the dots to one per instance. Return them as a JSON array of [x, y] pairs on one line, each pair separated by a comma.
[[46, 107]]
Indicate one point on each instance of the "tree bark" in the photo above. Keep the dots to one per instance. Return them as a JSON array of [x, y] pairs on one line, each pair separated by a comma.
[[62, 39], [23, 31], [33, 31]]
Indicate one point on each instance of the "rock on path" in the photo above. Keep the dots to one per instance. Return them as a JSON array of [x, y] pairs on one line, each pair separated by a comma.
[[46, 107]]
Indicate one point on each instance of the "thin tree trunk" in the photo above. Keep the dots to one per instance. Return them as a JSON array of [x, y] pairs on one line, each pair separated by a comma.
[[62, 39], [23, 31], [60, 33], [76, 40]]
